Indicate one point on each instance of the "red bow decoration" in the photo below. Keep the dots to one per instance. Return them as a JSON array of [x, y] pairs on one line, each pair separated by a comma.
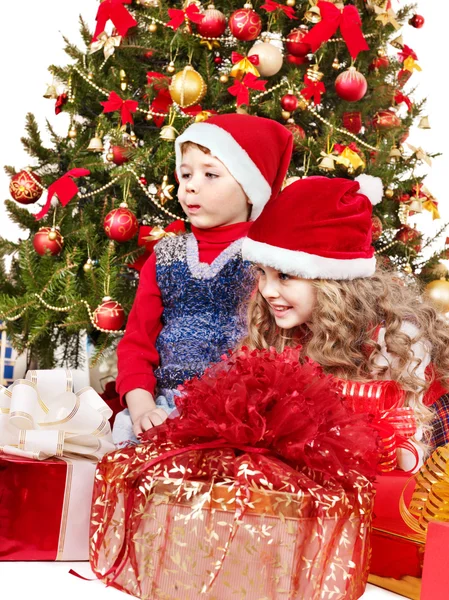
[[178, 16], [341, 147], [115, 11], [60, 101], [271, 6], [332, 18], [406, 52], [64, 188], [126, 107], [176, 227], [399, 97], [313, 89], [253, 59], [240, 89]]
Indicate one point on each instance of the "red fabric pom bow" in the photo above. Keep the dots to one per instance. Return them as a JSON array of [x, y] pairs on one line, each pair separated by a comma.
[[178, 16], [313, 89], [126, 107], [348, 19], [64, 188], [240, 89], [115, 11]]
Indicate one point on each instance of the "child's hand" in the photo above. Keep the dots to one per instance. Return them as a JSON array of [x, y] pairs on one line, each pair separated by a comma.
[[143, 410], [148, 419]]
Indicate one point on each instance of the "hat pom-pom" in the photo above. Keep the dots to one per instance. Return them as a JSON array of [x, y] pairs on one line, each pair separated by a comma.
[[371, 187]]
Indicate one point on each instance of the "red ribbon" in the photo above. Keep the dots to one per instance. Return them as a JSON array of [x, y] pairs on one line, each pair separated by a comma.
[[253, 59], [162, 101], [240, 89], [400, 97], [178, 16], [332, 18], [313, 89], [177, 226], [64, 188], [126, 107], [60, 101], [115, 11], [406, 52], [271, 6], [341, 147]]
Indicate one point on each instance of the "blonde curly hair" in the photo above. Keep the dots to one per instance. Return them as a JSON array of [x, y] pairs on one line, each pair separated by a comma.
[[343, 327]]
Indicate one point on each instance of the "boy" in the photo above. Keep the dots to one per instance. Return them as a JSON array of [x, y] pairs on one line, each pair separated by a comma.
[[186, 311]]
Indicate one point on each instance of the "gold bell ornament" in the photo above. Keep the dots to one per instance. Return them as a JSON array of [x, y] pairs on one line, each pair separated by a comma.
[[95, 145], [168, 133], [51, 92], [398, 42], [424, 123], [313, 15]]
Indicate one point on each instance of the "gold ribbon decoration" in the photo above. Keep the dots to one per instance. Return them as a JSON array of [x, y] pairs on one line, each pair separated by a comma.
[[164, 191], [410, 64], [350, 158], [386, 16], [430, 500], [108, 43], [157, 233], [41, 416], [203, 116], [242, 67], [431, 205], [420, 154], [210, 44]]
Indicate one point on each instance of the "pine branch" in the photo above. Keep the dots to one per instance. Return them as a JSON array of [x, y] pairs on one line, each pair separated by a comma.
[[33, 141], [21, 216], [72, 50]]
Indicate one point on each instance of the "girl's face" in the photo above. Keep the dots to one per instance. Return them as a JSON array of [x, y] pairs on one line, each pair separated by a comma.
[[291, 299]]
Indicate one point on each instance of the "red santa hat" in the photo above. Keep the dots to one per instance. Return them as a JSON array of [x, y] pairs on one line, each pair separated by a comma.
[[317, 228], [256, 151]]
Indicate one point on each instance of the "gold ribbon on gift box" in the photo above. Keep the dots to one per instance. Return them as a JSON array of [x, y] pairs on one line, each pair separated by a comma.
[[41, 416], [430, 500]]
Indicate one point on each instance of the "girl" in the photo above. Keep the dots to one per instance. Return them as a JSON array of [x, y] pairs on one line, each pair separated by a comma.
[[319, 287]]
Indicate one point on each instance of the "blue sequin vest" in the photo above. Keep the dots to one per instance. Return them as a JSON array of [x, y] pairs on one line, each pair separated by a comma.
[[204, 308]]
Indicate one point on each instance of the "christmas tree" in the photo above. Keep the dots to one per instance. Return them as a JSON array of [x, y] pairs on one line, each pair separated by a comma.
[[339, 75]]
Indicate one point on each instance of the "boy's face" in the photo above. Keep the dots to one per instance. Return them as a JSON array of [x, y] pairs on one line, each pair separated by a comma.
[[208, 193]]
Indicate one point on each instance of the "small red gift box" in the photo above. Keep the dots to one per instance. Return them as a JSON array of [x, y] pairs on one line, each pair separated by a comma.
[[45, 508], [397, 551], [435, 583]]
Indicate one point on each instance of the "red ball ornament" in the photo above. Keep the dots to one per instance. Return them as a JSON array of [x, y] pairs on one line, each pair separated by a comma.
[[120, 224], [245, 24], [109, 315], [294, 43], [23, 189], [376, 229], [410, 236], [120, 155], [218, 60], [298, 133], [416, 21], [297, 60], [381, 62], [289, 102], [351, 85], [48, 239], [214, 23], [385, 120]]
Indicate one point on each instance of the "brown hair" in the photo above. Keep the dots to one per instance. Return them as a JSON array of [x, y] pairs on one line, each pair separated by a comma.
[[188, 145], [343, 326]]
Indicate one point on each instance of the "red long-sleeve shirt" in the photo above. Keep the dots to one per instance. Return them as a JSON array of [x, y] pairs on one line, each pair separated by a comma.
[[136, 352]]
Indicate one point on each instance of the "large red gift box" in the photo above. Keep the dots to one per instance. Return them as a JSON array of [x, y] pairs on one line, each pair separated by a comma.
[[435, 583], [45, 508], [397, 551]]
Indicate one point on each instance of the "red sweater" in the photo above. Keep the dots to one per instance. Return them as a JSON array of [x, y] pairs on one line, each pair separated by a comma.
[[136, 352]]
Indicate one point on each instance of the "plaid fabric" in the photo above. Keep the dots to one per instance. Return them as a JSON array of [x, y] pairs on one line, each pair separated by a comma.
[[440, 424]]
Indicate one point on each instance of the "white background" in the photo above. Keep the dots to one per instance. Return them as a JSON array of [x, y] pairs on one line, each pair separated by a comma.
[[31, 40]]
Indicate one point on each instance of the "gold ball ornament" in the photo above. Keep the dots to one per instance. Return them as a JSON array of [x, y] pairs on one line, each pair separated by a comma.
[[171, 67], [149, 117], [336, 64], [438, 294], [224, 78], [286, 115], [152, 28], [187, 87], [270, 58], [389, 193], [109, 157], [291, 2], [87, 265], [72, 133]]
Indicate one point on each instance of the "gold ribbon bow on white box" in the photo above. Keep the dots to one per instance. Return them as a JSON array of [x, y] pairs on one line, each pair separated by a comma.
[[41, 416]]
